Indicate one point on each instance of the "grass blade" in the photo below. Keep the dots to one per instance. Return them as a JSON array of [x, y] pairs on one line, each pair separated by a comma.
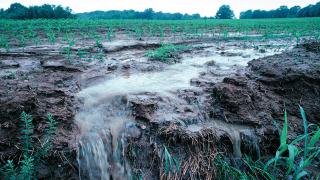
[[305, 126]]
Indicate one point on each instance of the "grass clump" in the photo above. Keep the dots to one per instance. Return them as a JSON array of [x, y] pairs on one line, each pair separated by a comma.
[[167, 53], [32, 153], [298, 159], [170, 167]]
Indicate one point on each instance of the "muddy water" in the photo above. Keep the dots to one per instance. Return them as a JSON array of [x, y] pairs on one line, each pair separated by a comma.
[[233, 130], [174, 77], [105, 113]]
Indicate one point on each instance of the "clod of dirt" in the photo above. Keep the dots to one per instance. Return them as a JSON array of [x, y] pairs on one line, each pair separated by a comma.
[[8, 64], [313, 47], [59, 65], [143, 107]]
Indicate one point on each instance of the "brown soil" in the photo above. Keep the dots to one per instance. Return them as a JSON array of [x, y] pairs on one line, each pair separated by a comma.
[[258, 95]]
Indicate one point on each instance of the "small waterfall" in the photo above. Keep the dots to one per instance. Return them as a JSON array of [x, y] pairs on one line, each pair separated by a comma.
[[102, 139], [93, 153]]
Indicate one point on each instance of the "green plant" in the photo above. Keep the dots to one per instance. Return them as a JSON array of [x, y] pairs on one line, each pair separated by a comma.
[[4, 43], [292, 160], [32, 154], [11, 75], [26, 132], [9, 170], [166, 53], [97, 39], [300, 158], [22, 40], [171, 164], [52, 37], [110, 34], [297, 35]]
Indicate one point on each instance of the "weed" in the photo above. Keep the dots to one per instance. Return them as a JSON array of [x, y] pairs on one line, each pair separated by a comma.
[[31, 153], [166, 53], [27, 131], [11, 75], [291, 161], [171, 165]]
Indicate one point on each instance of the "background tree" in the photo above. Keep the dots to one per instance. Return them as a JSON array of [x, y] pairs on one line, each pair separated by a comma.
[[225, 12], [131, 14], [1, 13], [283, 12], [293, 12], [310, 11], [46, 11], [17, 11], [246, 15], [147, 14]]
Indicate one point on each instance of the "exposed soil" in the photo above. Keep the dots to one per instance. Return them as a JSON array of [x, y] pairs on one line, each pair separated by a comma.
[[192, 123], [258, 95]]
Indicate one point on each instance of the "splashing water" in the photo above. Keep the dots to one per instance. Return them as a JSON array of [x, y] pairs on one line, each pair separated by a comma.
[[100, 154]]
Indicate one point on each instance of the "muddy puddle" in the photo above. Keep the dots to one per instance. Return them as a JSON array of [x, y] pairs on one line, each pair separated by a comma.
[[106, 113]]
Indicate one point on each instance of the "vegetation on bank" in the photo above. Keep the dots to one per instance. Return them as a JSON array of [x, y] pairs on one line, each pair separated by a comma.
[[167, 53], [33, 151], [297, 159]]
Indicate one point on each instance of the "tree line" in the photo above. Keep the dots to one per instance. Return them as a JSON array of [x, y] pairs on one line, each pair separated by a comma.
[[283, 12], [132, 14], [46, 11]]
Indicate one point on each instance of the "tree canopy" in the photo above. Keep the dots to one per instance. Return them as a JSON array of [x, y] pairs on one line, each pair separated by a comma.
[[283, 12], [225, 12], [131, 14], [46, 11]]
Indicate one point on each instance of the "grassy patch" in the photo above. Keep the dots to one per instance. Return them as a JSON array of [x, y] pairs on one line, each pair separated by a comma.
[[298, 159], [167, 53], [32, 153]]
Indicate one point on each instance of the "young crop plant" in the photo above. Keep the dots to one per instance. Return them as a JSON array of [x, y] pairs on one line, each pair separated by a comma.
[[297, 36], [22, 41], [32, 153], [97, 39], [167, 53], [52, 37], [298, 159], [70, 40], [139, 33], [99, 56], [110, 34], [4, 43]]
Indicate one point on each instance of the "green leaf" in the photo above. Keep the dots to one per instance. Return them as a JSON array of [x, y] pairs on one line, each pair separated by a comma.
[[293, 151], [284, 133], [314, 139], [305, 125], [301, 174]]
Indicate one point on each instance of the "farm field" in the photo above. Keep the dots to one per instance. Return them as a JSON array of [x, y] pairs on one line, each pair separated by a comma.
[[160, 99]]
